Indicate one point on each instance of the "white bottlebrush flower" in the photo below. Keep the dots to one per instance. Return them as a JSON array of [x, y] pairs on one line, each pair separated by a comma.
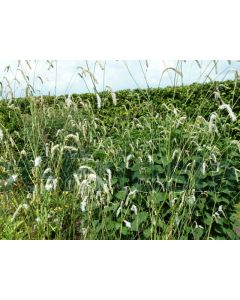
[[134, 209], [54, 148], [127, 224], [84, 168], [75, 137], [76, 177], [37, 161], [204, 168], [217, 96], [47, 149], [118, 211], [99, 101], [109, 172], [114, 98], [59, 131], [211, 125], [192, 198], [47, 171], [105, 188], [51, 184], [70, 148], [84, 187], [23, 153], [92, 177], [132, 195], [68, 101], [1, 135], [213, 117], [25, 206], [127, 160], [11, 180], [84, 205], [229, 110], [150, 159], [113, 95]]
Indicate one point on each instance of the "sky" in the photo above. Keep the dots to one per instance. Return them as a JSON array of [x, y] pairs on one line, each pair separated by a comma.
[[72, 76]]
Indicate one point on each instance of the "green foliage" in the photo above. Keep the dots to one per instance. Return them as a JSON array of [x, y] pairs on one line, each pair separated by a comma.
[[170, 177]]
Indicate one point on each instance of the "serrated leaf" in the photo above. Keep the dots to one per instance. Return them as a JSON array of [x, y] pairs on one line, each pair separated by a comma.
[[121, 195], [158, 197]]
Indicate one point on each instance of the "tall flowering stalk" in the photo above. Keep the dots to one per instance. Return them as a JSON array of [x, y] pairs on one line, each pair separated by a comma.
[[230, 111]]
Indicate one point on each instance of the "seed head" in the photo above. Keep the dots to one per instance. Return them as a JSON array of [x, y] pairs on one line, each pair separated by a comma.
[[25, 206], [37, 161], [51, 184], [68, 101], [84, 205], [134, 209], [128, 158], [229, 110], [127, 224], [211, 125], [47, 171], [118, 211], [1, 135], [204, 168], [99, 101], [11, 180]]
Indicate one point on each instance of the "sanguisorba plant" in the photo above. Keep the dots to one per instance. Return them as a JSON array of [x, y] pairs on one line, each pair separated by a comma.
[[140, 164]]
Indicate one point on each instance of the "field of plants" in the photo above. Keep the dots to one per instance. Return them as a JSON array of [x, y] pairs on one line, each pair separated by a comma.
[[136, 164]]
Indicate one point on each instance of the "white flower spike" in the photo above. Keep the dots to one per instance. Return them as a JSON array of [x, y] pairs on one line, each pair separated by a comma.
[[127, 224], [1, 135], [134, 209], [230, 112], [37, 161]]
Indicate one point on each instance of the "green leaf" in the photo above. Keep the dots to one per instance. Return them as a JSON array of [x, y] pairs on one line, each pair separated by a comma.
[[121, 195], [140, 218], [117, 226], [123, 180], [208, 220], [147, 233], [230, 233], [197, 233], [179, 179], [99, 154], [158, 197], [124, 231], [135, 167]]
